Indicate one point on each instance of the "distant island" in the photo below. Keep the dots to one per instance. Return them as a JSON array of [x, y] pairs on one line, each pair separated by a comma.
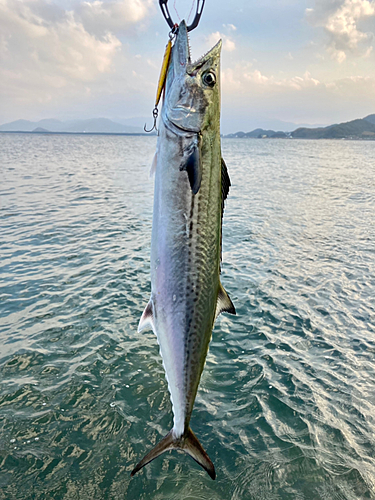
[[362, 128], [92, 126]]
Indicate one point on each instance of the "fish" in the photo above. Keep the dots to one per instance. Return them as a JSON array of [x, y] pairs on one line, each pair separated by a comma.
[[191, 185]]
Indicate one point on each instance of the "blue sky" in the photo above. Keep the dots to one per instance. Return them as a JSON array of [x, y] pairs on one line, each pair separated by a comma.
[[306, 61]]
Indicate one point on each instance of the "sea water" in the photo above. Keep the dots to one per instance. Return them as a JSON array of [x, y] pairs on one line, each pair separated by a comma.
[[286, 403]]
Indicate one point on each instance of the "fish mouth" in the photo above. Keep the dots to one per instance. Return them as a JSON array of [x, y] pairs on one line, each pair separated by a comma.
[[182, 48]]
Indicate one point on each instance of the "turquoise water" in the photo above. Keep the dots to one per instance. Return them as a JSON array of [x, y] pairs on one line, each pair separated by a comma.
[[286, 405]]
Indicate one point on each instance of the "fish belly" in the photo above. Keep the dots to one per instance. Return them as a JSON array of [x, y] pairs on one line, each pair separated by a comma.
[[185, 255]]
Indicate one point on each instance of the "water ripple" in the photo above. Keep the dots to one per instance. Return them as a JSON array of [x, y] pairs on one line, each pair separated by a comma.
[[287, 400]]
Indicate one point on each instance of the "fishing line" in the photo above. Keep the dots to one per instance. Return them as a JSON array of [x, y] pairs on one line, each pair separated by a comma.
[[174, 6], [191, 10], [168, 49]]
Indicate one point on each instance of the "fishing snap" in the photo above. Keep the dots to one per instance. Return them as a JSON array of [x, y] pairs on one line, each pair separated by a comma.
[[164, 9]]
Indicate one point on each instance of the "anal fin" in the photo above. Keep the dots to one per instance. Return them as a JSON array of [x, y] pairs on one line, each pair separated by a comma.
[[224, 304], [147, 318]]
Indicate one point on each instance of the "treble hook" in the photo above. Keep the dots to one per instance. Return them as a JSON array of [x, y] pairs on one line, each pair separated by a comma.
[[167, 16], [155, 113]]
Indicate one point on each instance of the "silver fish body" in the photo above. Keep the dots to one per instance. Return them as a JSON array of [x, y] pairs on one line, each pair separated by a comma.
[[191, 183]]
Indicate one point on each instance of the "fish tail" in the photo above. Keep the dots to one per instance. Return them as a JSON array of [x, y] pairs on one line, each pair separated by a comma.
[[188, 442]]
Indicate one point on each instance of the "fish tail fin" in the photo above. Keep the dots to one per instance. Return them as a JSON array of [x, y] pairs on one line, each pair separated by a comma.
[[193, 448], [167, 443], [188, 443]]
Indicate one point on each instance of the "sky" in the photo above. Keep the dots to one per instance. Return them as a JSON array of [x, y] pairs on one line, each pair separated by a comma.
[[305, 62]]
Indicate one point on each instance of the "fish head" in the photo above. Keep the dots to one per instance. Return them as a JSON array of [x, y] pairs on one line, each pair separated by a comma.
[[192, 92]]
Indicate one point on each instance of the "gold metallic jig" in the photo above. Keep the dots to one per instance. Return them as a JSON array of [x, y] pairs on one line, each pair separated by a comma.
[[161, 83], [163, 72]]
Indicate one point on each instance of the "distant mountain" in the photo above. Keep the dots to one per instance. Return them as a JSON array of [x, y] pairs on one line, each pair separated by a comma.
[[137, 121], [51, 124], [19, 125], [249, 122], [280, 135], [370, 119], [258, 133], [40, 130], [98, 125], [355, 129]]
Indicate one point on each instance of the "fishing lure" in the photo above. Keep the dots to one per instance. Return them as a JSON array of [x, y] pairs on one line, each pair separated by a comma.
[[167, 53], [161, 82]]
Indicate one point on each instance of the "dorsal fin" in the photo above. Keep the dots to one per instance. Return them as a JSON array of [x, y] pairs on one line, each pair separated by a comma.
[[224, 304], [147, 318], [225, 185]]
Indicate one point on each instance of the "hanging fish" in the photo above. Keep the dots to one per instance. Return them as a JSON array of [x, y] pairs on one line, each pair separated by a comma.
[[191, 184]]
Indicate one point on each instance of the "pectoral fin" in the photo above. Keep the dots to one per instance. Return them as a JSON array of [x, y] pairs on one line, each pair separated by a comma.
[[194, 170], [224, 304], [192, 164]]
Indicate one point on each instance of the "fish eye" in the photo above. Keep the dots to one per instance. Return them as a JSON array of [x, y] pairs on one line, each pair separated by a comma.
[[209, 78]]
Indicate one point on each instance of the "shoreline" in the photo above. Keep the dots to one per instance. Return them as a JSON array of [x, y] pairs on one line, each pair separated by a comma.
[[74, 133], [153, 134]]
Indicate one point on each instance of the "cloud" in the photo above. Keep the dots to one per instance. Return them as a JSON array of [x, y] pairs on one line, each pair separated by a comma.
[[99, 17], [44, 49], [228, 43], [256, 77], [244, 79], [353, 87], [342, 22], [90, 58], [49, 54], [230, 27], [250, 96]]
